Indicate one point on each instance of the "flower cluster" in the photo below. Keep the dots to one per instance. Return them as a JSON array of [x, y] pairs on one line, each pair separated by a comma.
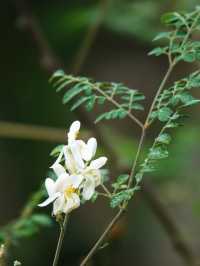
[[77, 174]]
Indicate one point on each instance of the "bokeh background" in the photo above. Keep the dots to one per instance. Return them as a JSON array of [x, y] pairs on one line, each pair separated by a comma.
[[107, 40]]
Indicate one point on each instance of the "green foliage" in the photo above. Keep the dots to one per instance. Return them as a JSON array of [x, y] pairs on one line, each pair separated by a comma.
[[84, 91], [113, 114], [25, 227], [120, 182], [168, 109], [56, 151], [94, 197], [122, 196], [171, 101], [180, 46], [164, 138], [29, 226]]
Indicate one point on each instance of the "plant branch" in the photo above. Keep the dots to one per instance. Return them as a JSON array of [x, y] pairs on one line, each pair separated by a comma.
[[90, 37], [115, 103], [102, 237], [60, 240], [32, 132], [162, 85], [136, 157]]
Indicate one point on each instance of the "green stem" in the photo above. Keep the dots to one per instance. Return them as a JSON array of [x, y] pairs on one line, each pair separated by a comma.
[[136, 157], [60, 241], [102, 237]]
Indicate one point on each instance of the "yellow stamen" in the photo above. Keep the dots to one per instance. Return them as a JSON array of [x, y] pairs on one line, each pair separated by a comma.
[[69, 191]]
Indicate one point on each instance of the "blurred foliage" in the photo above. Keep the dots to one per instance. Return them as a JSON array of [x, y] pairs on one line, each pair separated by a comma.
[[125, 17]]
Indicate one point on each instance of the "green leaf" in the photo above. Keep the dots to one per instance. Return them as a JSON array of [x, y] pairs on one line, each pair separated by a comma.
[[138, 177], [137, 106], [79, 102], [187, 99], [192, 102], [78, 88], [94, 197], [122, 196], [63, 85], [113, 114], [158, 153], [188, 57], [164, 138], [120, 181], [162, 35], [56, 151], [172, 125], [171, 18], [158, 51], [148, 168], [91, 102], [41, 219], [100, 117], [57, 74], [101, 99], [164, 114]]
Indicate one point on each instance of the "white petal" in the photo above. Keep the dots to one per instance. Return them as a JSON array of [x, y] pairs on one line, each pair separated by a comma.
[[50, 186], [97, 177], [92, 144], [89, 188], [58, 169], [73, 131], [62, 183], [72, 203], [76, 180], [77, 155], [58, 205], [49, 200], [90, 149], [98, 163], [69, 161], [75, 126]]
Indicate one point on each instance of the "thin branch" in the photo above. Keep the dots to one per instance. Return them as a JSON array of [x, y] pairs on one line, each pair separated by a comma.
[[32, 132], [115, 103], [90, 37], [162, 85], [106, 190], [102, 237], [136, 157], [60, 240]]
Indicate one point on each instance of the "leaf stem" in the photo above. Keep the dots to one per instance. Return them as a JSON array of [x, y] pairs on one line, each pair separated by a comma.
[[60, 241], [106, 190], [115, 103], [162, 85], [136, 157]]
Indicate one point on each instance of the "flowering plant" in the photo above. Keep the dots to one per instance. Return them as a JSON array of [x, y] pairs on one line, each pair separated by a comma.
[[78, 175], [167, 108], [78, 178]]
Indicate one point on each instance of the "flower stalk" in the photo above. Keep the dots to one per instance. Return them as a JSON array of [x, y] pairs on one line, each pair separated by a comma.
[[63, 227]]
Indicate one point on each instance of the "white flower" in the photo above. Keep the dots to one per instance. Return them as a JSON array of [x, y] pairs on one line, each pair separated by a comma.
[[92, 177], [84, 173], [63, 192], [73, 131]]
